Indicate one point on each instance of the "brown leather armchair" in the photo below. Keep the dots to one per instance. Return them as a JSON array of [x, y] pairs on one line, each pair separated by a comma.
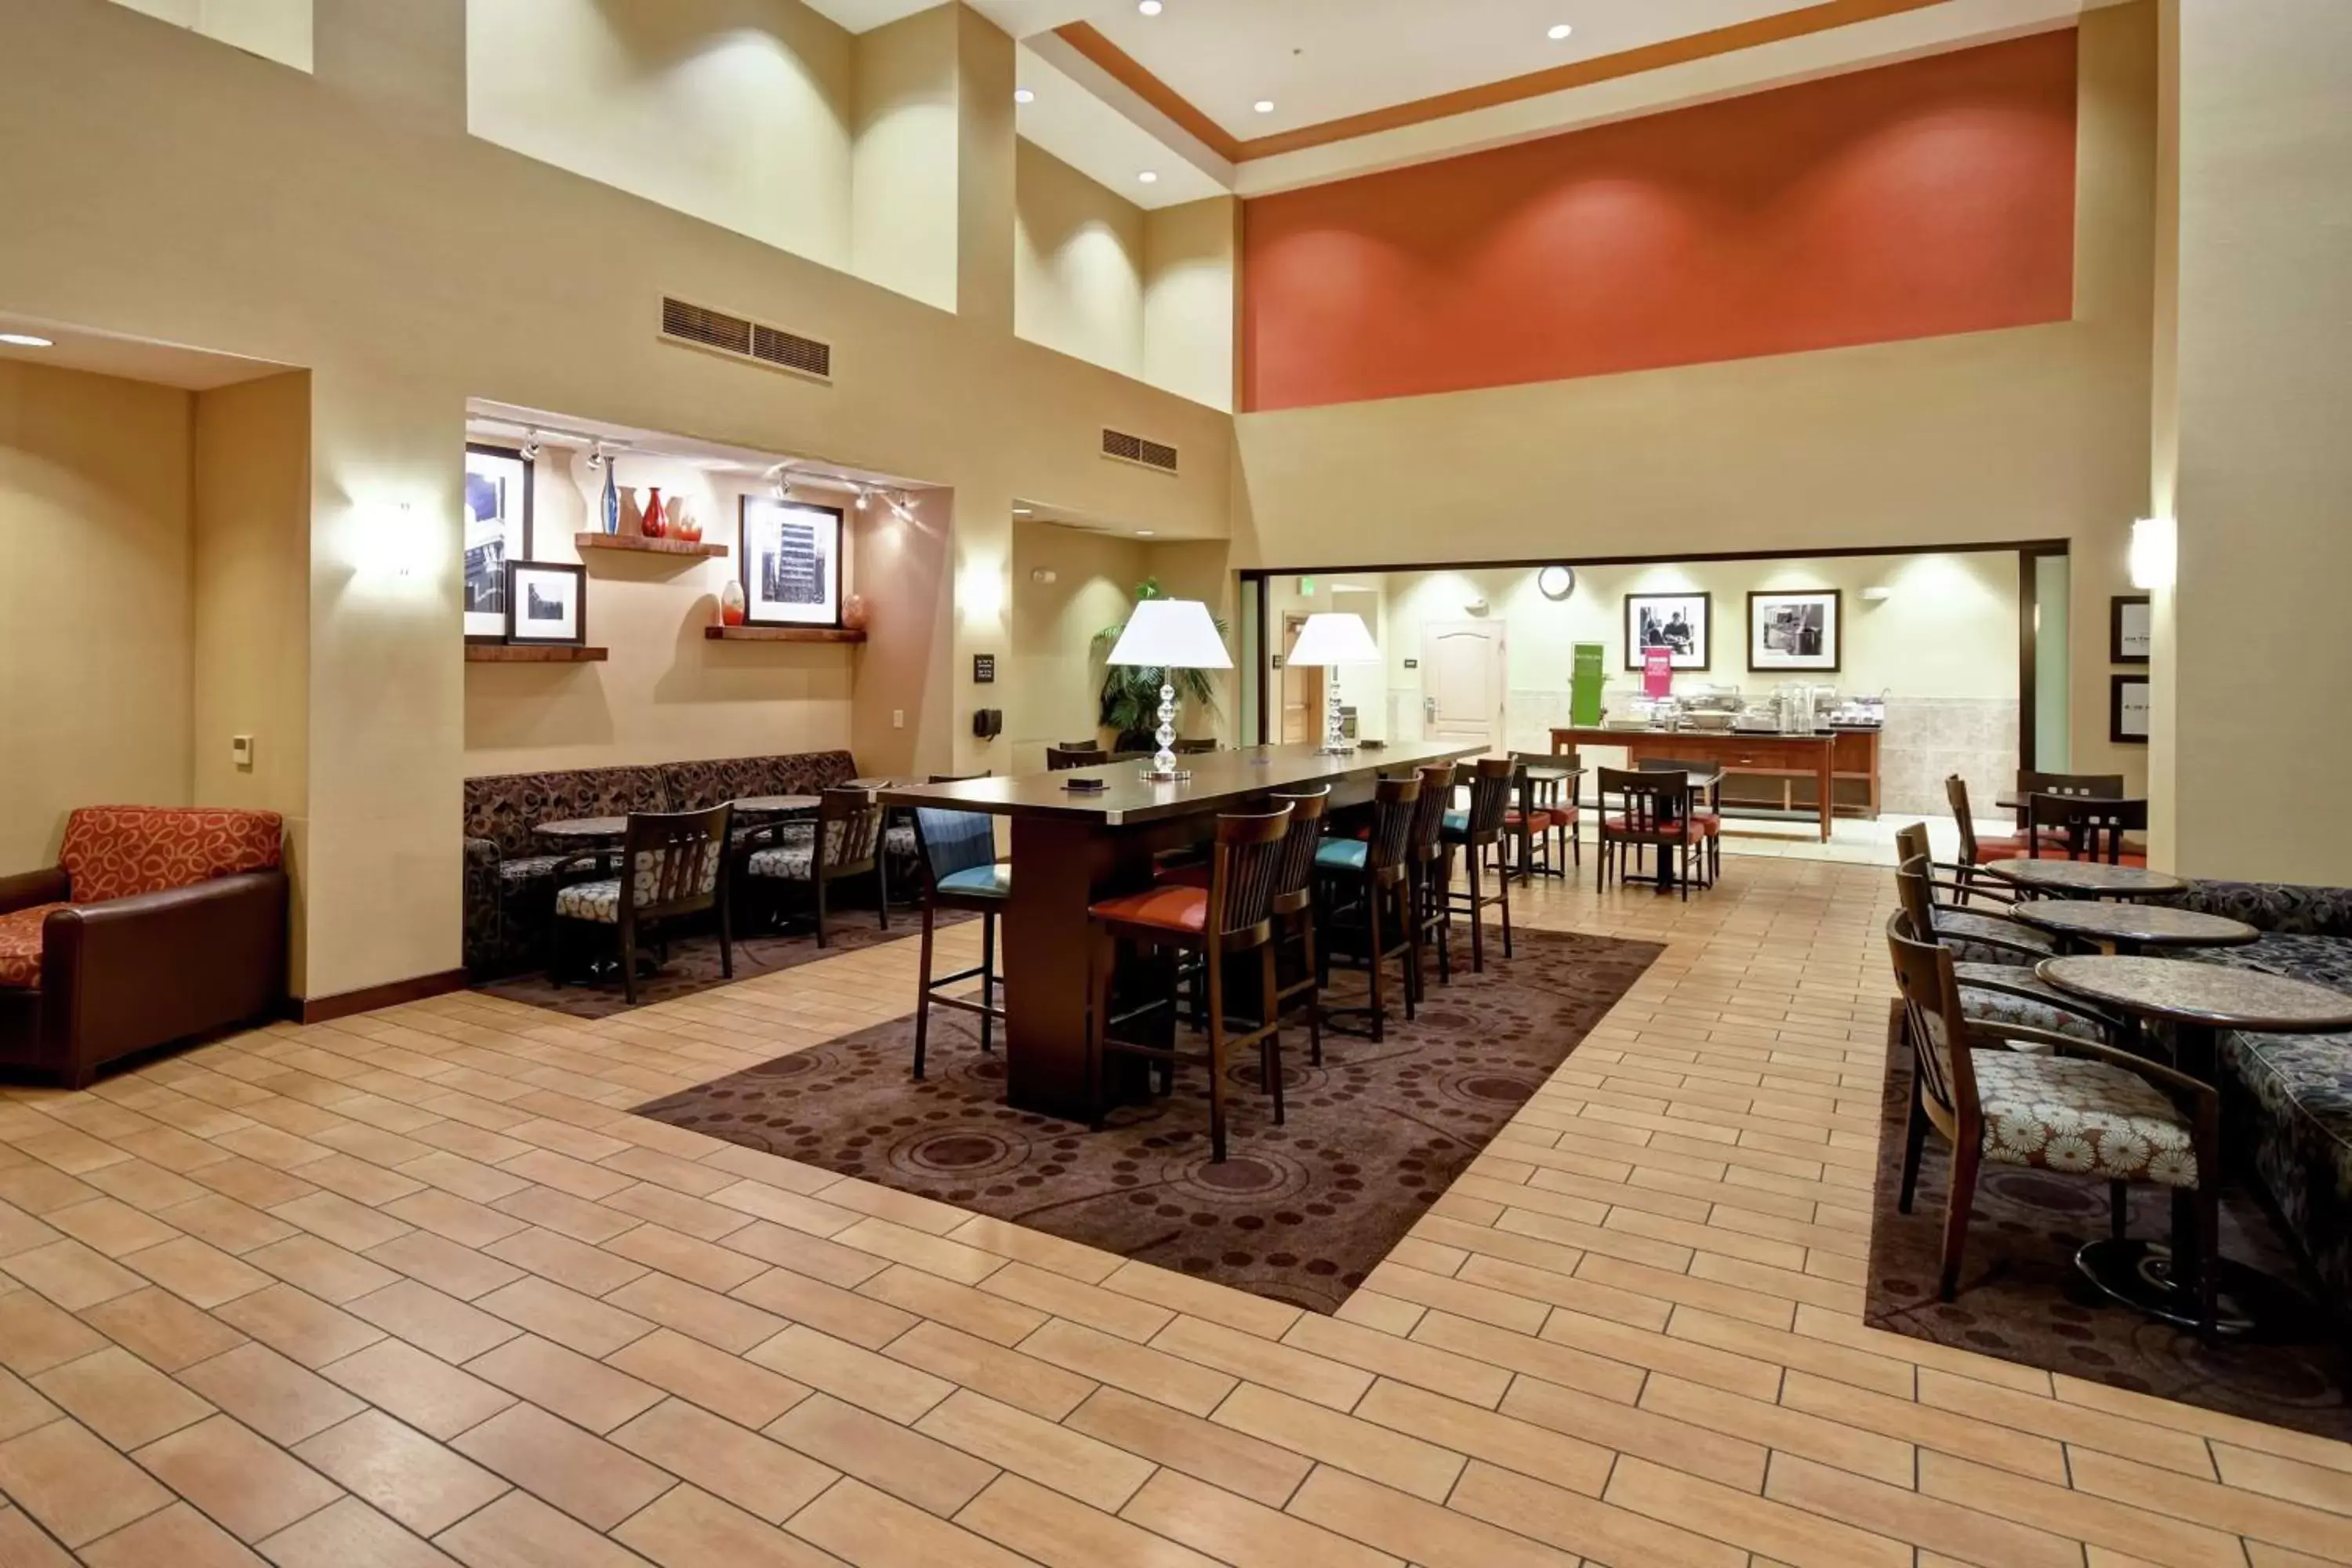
[[157, 923]]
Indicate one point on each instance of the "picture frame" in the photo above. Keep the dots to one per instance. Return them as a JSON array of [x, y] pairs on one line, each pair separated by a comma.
[[1796, 630], [499, 484], [788, 558], [1684, 623], [2130, 629], [2128, 700], [547, 603]]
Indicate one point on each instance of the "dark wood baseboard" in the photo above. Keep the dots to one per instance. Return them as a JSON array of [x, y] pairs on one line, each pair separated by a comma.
[[368, 998]]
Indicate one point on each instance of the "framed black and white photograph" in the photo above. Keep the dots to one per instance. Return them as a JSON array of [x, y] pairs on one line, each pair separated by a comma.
[[498, 531], [1683, 624], [788, 553], [2130, 632], [2127, 706], [1795, 629], [546, 602]]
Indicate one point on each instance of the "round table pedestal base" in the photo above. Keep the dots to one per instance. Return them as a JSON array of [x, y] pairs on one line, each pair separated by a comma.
[[2139, 1274]]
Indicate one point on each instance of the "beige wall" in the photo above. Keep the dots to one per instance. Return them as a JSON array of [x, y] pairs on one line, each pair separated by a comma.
[[94, 601], [2261, 651], [668, 693], [2035, 434], [902, 721], [1052, 687], [737, 111], [1077, 264], [274, 29], [1191, 301], [903, 159]]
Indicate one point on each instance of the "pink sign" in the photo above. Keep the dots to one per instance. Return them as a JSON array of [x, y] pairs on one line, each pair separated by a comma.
[[1657, 672]]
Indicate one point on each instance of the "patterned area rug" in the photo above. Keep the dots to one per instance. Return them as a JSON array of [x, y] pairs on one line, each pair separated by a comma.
[[693, 964], [2022, 1299], [1298, 1213]]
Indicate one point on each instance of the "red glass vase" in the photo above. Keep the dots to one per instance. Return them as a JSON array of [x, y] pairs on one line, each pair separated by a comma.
[[654, 523]]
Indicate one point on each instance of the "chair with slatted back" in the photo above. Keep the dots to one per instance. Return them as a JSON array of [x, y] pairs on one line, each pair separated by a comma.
[[1477, 830], [1429, 863], [2085, 827], [673, 865], [1064, 759], [1650, 809], [2063, 1105], [1195, 748], [1366, 897], [2096, 786], [846, 842], [1528, 821], [962, 872], [1293, 907], [1977, 851], [1567, 782], [1706, 806], [1231, 916]]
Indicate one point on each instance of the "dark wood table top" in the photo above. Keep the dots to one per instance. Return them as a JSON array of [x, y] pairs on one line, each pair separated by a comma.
[[2095, 878], [2140, 925], [1220, 780], [2215, 995]]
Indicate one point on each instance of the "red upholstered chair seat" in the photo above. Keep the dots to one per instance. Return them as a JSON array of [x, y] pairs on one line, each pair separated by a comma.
[[120, 851], [1703, 824], [1537, 823], [1172, 907], [20, 945]]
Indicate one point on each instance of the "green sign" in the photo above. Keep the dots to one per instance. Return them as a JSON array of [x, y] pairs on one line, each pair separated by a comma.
[[1584, 686], [1306, 588]]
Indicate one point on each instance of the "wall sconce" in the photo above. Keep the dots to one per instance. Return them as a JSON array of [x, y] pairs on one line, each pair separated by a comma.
[[1877, 594], [981, 593], [2155, 554], [394, 542]]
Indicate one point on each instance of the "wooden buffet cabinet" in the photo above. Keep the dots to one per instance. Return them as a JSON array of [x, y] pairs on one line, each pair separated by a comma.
[[1824, 758]]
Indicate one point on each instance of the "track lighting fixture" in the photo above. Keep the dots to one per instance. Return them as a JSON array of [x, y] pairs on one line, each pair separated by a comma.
[[597, 458], [900, 506], [530, 446]]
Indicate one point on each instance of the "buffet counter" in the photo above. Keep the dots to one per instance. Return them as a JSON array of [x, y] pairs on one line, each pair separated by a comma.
[[1823, 758]]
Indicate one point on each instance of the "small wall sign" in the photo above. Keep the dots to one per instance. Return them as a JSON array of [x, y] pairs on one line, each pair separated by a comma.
[[983, 668]]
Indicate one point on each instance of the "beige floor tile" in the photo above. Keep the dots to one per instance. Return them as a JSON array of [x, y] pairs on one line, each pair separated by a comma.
[[247, 1485], [24, 1544], [276, 1398], [72, 1275], [1895, 1510], [352, 1227], [582, 1474], [746, 1395], [565, 1215], [585, 1391], [1235, 1530], [573, 1263], [884, 1455], [788, 1293], [22, 1408], [77, 1487], [109, 1226], [762, 1477], [1372, 1451], [975, 1313], [722, 1321], [178, 1536], [1418, 1531], [1018, 1380], [1424, 1366], [871, 1529], [350, 1534], [1061, 1532], [688, 1258], [520, 1531], [1155, 1374], [430, 1320], [400, 1472], [1068, 1461], [322, 1268], [162, 1329], [1579, 1525], [2154, 1536], [1474, 1430], [688, 1528], [431, 1396], [843, 1266], [452, 1270], [455, 1218], [121, 1398], [1089, 1305], [300, 1325], [1276, 1366], [552, 1311], [846, 1371], [2256, 1515]]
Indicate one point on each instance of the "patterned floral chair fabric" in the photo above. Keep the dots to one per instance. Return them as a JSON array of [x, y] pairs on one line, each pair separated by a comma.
[[2290, 1096]]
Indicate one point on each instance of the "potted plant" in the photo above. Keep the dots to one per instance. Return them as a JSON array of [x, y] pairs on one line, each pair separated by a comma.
[[1130, 693]]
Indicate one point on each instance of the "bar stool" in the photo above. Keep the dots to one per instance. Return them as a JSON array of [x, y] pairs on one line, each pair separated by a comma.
[[1477, 830], [1230, 916], [1429, 872], [1528, 821], [1293, 907], [959, 851], [1376, 867]]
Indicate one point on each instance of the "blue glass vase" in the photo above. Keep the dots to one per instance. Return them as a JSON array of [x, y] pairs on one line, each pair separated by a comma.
[[612, 502]]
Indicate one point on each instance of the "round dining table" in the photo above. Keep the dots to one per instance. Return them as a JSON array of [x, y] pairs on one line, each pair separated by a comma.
[[2085, 879], [582, 832], [2194, 1003], [775, 805], [2131, 928]]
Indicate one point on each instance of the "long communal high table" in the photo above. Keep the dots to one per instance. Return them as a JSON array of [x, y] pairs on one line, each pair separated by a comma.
[[1071, 848]]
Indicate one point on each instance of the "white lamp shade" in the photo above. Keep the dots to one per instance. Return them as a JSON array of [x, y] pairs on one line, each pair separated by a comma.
[[1172, 634], [1332, 639]]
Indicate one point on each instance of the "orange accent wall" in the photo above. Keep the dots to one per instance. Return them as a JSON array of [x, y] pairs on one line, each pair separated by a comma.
[[1908, 201]]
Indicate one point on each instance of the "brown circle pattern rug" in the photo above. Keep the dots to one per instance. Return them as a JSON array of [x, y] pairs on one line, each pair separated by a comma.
[[1299, 1213], [2022, 1299]]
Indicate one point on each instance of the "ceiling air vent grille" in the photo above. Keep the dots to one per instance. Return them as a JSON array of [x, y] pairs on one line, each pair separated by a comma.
[[699, 326], [1135, 449]]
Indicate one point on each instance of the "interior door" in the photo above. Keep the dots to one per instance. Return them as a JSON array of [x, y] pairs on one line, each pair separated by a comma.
[[1462, 681], [1302, 689]]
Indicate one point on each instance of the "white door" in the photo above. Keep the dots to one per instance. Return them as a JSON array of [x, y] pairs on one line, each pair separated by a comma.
[[1461, 682]]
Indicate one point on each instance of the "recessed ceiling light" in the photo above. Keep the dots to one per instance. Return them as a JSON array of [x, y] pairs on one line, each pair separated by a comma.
[[1148, 7], [1143, 533], [1023, 95], [1263, 106], [1023, 511], [26, 340], [1149, 177], [1558, 31]]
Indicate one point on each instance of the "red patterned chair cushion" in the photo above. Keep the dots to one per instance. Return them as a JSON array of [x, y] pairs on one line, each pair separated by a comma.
[[1539, 823], [20, 945], [119, 851]]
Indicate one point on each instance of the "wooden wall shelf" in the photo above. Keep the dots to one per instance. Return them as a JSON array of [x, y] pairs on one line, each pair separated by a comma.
[[700, 549], [783, 634], [533, 653]]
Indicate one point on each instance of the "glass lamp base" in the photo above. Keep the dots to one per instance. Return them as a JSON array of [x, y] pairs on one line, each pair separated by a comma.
[[1171, 775]]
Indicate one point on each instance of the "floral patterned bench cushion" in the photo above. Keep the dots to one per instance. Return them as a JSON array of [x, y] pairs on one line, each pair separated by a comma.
[[122, 851], [2282, 907], [505, 807], [699, 786], [2300, 1087], [2091, 1118]]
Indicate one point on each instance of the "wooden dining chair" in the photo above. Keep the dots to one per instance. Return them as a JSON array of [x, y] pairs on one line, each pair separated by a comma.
[[2085, 827], [2098, 787], [1706, 804], [1233, 915], [847, 841], [1528, 820], [962, 872], [1977, 852], [2068, 1106], [1476, 830], [1650, 809], [1368, 878], [1063, 759], [673, 865]]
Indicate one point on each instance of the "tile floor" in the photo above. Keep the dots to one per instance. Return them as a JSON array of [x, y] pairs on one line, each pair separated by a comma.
[[411, 1289]]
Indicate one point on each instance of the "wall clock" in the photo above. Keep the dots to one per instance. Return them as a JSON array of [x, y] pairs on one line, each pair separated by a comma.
[[1556, 581]]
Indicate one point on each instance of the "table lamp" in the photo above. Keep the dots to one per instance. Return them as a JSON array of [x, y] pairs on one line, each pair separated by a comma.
[[1170, 635], [1332, 640]]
